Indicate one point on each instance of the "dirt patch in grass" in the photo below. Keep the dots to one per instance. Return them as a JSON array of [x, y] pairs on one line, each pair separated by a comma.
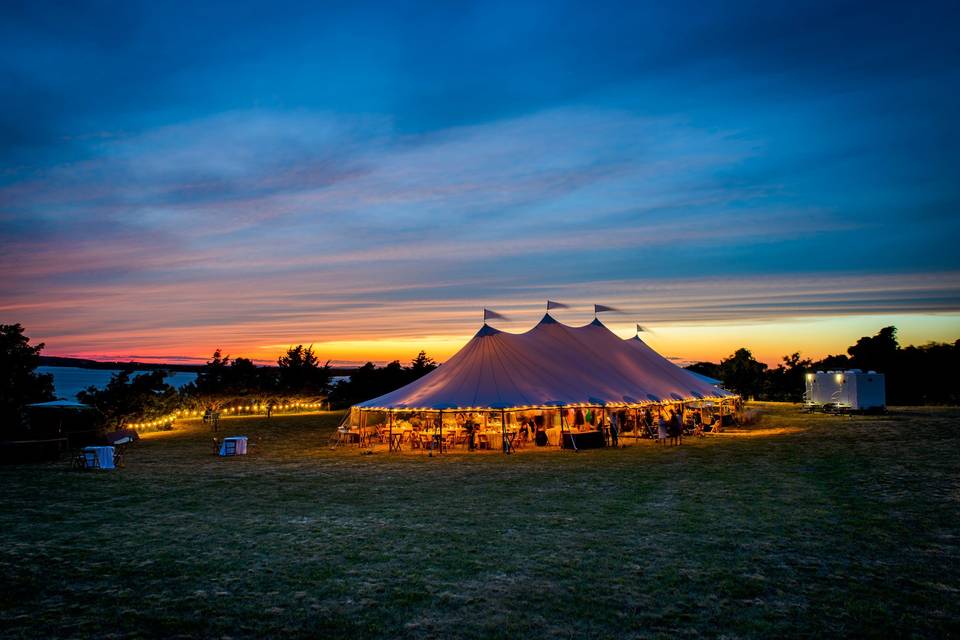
[[812, 525]]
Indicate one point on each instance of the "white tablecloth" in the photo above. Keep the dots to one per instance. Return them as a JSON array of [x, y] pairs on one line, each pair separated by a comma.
[[553, 436], [241, 445], [104, 456]]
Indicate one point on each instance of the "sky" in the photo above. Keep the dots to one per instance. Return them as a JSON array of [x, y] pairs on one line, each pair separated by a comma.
[[366, 177]]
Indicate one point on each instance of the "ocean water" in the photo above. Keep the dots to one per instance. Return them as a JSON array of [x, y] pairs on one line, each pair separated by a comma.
[[67, 381]]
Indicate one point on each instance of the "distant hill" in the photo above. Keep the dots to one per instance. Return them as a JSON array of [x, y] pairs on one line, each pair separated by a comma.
[[83, 363]]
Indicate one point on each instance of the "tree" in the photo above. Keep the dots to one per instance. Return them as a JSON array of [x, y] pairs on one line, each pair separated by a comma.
[[708, 369], [244, 378], [370, 381], [785, 383], [878, 353], [209, 389], [923, 374], [833, 363], [742, 373], [301, 373], [422, 365], [212, 378], [125, 399], [223, 381], [20, 384]]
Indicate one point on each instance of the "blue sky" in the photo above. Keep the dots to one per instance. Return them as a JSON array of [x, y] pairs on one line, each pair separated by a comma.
[[366, 176]]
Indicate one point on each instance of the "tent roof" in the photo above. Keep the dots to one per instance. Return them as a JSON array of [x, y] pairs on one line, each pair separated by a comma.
[[706, 379], [552, 364], [59, 404]]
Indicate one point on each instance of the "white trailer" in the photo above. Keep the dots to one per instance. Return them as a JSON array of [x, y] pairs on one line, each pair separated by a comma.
[[852, 390]]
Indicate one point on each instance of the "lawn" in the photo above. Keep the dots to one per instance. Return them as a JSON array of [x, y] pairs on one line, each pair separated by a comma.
[[805, 525]]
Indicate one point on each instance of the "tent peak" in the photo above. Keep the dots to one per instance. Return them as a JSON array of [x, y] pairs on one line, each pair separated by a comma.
[[548, 319], [487, 330]]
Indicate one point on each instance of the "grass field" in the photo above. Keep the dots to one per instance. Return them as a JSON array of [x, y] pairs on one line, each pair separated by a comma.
[[803, 526]]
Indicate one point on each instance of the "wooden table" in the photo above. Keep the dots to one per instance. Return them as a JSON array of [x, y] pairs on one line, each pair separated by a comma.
[[396, 439]]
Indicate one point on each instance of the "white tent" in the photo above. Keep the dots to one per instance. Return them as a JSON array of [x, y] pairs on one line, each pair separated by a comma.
[[551, 365], [708, 379]]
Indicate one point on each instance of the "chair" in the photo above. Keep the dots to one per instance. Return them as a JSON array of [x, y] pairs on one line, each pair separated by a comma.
[[653, 431], [119, 453], [87, 460], [426, 442]]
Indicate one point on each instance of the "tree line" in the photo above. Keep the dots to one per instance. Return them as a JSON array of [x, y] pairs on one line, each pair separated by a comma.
[[924, 374], [223, 382], [914, 375]]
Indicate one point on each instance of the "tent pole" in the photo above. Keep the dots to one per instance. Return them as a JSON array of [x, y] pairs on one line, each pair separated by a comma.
[[560, 441], [603, 420], [680, 430], [485, 427], [573, 443], [390, 433], [440, 427], [503, 432]]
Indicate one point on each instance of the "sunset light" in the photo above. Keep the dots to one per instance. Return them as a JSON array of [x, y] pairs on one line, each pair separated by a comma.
[[530, 319]]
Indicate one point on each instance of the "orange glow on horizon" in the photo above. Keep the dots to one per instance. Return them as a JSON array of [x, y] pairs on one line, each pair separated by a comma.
[[813, 337]]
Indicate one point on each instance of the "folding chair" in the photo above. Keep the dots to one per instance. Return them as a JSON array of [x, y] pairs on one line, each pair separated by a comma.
[[229, 447], [119, 452], [451, 441], [427, 442], [87, 460]]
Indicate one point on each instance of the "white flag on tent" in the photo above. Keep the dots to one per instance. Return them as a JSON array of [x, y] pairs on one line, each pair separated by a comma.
[[556, 305], [493, 315]]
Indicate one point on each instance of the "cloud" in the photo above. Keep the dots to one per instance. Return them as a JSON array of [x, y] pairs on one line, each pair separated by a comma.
[[272, 227], [246, 178]]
